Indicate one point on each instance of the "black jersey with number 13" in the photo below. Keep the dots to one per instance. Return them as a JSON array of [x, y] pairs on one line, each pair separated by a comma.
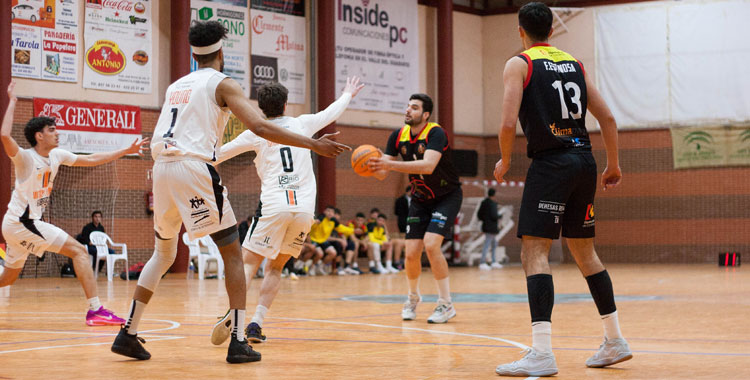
[[553, 108]]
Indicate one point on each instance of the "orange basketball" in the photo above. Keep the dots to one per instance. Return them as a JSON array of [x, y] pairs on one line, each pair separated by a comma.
[[360, 156]]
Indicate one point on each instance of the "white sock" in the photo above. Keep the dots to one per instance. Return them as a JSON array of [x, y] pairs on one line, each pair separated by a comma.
[[134, 316], [372, 264], [389, 264], [238, 323], [444, 289], [354, 264], [611, 326], [413, 285], [541, 336], [94, 303], [260, 314]]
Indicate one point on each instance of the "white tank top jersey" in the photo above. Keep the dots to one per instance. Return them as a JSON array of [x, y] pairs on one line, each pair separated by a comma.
[[34, 177], [286, 172], [191, 124]]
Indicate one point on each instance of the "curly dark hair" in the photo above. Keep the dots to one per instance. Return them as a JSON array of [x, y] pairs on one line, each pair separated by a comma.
[[205, 33], [36, 124], [271, 99], [536, 19]]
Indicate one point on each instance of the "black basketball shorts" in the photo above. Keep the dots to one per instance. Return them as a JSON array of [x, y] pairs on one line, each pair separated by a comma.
[[434, 215], [559, 193]]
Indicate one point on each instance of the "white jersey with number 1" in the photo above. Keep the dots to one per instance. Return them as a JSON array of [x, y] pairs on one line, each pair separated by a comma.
[[286, 172], [191, 124]]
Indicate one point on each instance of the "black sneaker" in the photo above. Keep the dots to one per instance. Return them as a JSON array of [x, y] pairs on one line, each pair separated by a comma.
[[255, 333], [241, 352], [374, 270], [130, 345]]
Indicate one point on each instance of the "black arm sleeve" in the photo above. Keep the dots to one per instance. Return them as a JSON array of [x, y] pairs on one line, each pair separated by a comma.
[[390, 148], [437, 139]]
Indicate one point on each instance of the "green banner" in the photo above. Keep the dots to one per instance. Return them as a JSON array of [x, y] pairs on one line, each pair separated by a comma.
[[699, 147], [233, 129]]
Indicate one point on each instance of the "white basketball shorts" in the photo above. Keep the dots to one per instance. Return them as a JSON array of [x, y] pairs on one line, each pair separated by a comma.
[[190, 192], [29, 237], [283, 232]]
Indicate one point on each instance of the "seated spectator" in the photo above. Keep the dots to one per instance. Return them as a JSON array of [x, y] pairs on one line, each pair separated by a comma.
[[378, 236], [351, 244], [83, 237], [325, 250]]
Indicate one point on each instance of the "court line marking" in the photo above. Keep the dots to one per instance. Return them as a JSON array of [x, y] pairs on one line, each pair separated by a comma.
[[145, 333]]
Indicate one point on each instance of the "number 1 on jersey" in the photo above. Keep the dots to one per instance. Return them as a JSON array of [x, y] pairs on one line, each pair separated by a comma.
[[174, 120], [286, 159]]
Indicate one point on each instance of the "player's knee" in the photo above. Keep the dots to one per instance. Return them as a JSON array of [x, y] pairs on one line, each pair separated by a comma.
[[226, 236]]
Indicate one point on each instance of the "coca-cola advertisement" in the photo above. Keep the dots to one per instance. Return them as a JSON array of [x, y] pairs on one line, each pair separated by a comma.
[[117, 51], [44, 41], [91, 127]]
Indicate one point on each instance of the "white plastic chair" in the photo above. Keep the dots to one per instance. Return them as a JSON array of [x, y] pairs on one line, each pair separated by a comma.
[[102, 242], [212, 254], [193, 247]]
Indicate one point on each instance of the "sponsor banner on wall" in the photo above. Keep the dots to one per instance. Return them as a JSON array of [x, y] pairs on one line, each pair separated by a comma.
[[44, 41], [378, 41], [289, 7], [234, 15], [92, 127], [711, 146], [279, 35], [118, 52]]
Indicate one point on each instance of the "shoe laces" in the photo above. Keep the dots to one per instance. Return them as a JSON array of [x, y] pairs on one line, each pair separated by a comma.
[[442, 308], [143, 341]]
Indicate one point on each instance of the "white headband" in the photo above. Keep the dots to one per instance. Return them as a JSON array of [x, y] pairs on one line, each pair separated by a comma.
[[203, 50]]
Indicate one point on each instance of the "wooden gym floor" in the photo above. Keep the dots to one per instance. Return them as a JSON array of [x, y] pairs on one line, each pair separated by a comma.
[[682, 322]]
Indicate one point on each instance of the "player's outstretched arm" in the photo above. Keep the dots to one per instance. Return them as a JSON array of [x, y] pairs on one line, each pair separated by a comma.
[[315, 122], [137, 147], [230, 93], [598, 107], [9, 143], [245, 142]]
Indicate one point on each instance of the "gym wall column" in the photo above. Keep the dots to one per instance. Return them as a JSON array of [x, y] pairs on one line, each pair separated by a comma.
[[445, 67], [179, 58], [5, 56], [326, 95]]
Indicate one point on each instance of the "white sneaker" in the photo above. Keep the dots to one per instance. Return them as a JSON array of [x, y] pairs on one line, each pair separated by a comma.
[[611, 351], [443, 312], [311, 271], [409, 312], [293, 276], [390, 269], [342, 272], [534, 363], [484, 266], [352, 271], [325, 269], [381, 269], [496, 265], [221, 330]]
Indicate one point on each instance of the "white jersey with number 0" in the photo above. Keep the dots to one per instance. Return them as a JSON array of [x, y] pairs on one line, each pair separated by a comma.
[[286, 172], [34, 177], [191, 124]]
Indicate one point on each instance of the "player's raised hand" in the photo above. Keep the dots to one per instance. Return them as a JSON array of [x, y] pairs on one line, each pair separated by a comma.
[[11, 91], [353, 86], [326, 147], [138, 147], [611, 177]]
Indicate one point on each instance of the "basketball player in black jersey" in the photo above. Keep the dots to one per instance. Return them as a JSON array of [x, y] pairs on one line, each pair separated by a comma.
[[549, 91], [436, 200]]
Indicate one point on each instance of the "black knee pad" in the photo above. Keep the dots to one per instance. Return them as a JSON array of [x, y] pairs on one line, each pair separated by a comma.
[[225, 237]]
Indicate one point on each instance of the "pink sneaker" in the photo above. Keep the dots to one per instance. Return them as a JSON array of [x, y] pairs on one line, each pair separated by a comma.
[[103, 317]]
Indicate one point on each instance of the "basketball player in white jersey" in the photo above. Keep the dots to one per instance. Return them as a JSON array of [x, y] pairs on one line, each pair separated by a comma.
[[187, 188], [24, 231], [287, 196]]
